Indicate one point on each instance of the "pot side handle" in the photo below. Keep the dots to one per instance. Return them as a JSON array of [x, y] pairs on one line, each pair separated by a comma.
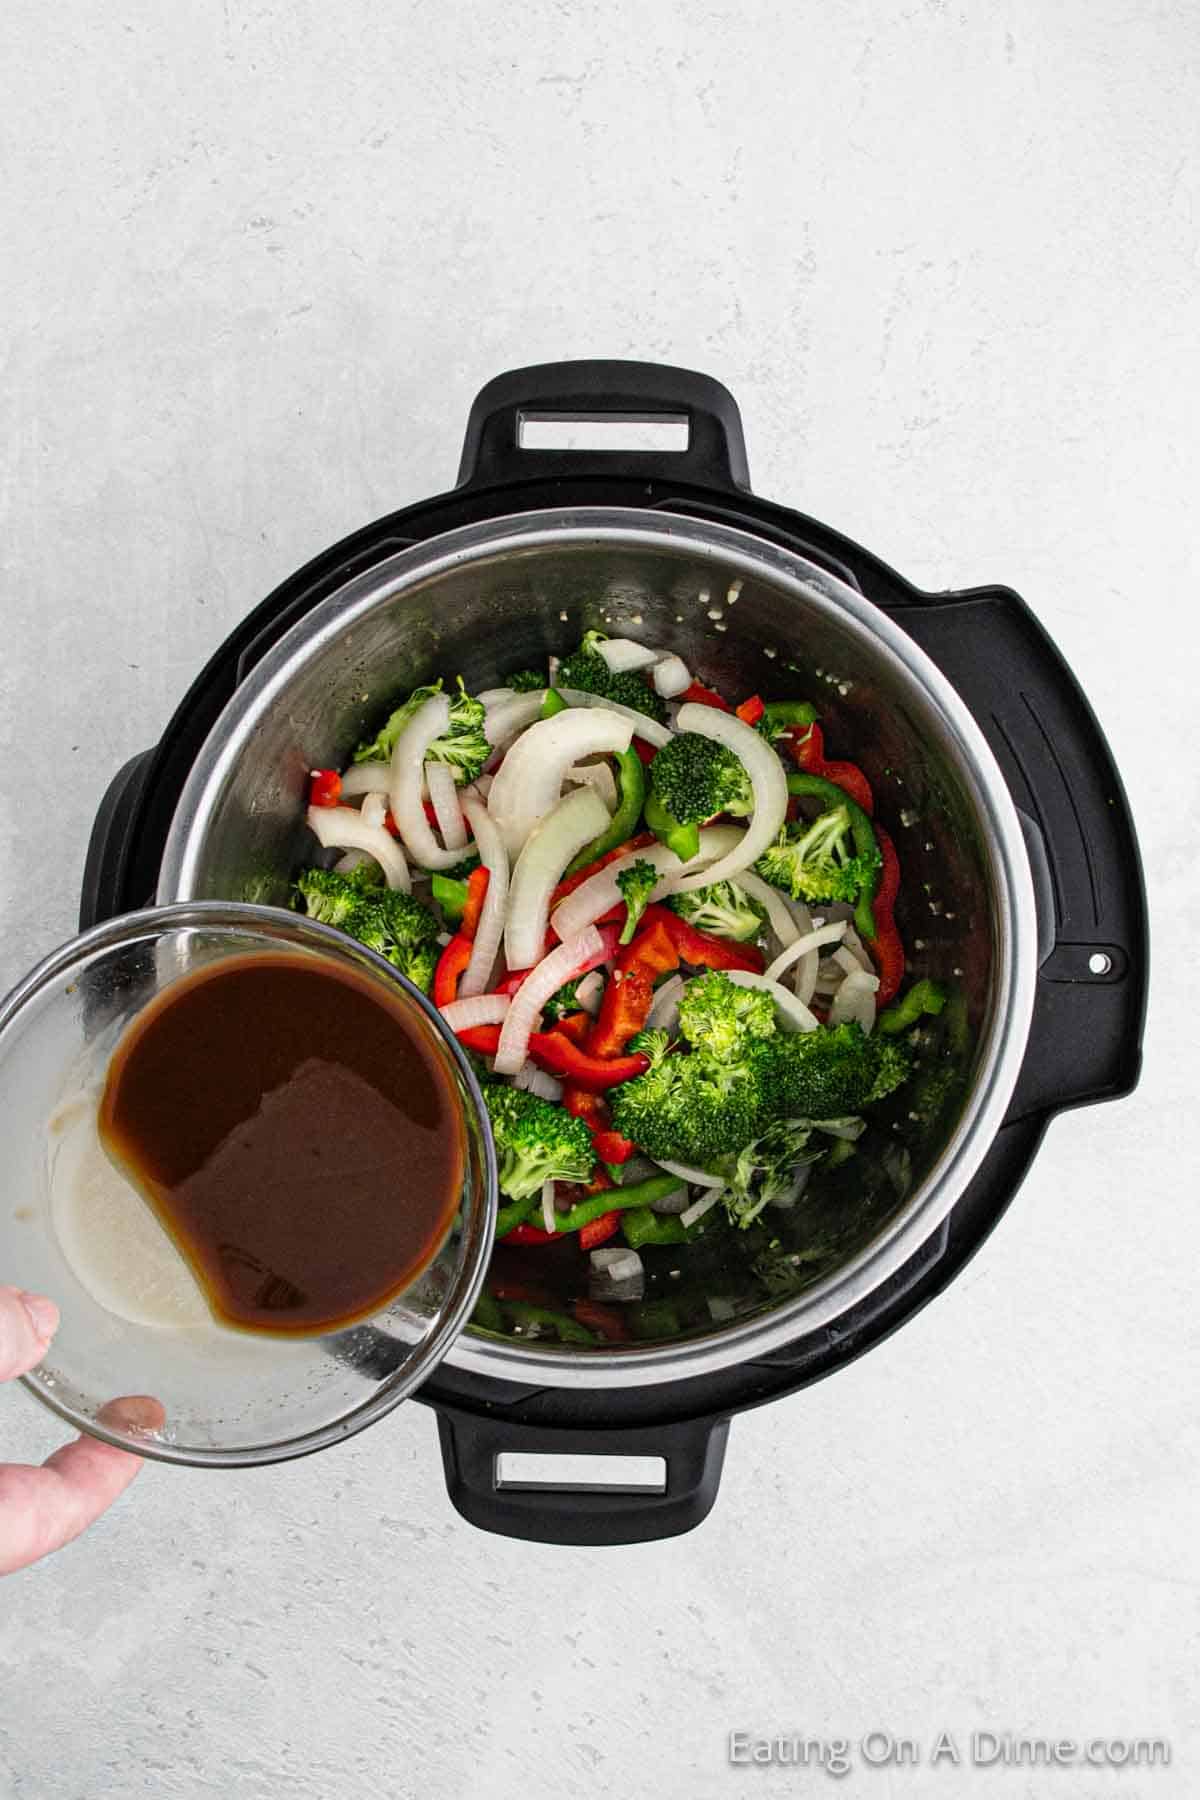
[[561, 419], [1086, 1035], [551, 1486]]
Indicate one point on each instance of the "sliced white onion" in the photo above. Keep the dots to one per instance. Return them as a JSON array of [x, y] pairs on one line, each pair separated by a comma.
[[854, 945], [477, 975], [494, 696], [536, 1081], [676, 1201], [373, 810], [507, 718], [779, 916], [649, 730], [793, 1012], [622, 1277], [623, 656], [546, 979], [847, 962], [342, 828], [529, 780], [366, 778], [600, 893], [589, 991], [482, 785], [353, 859], [480, 1009], [697, 1177], [812, 940], [765, 772], [599, 776], [664, 1014], [548, 1220], [561, 834], [699, 1207], [443, 793], [404, 787], [672, 676], [854, 1002], [799, 1183]]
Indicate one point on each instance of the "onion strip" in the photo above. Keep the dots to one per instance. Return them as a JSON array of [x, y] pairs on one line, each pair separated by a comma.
[[600, 893], [553, 972], [481, 1009], [343, 828], [576, 819], [439, 778], [766, 776], [404, 787], [366, 778], [529, 781], [648, 729], [478, 973], [812, 940]]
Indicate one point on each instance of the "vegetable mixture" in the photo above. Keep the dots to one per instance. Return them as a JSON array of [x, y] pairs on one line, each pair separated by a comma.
[[663, 926]]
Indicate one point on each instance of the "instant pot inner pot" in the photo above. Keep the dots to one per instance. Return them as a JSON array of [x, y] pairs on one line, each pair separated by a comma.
[[738, 632]]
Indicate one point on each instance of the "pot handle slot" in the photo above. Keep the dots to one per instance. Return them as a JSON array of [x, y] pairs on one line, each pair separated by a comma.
[[627, 418], [1085, 1039], [604, 1486]]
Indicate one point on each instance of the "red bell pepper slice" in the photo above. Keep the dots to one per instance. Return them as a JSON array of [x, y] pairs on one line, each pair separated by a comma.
[[887, 946], [607, 1320], [751, 710], [646, 752], [449, 972], [608, 1144], [699, 695], [575, 1026], [324, 787], [705, 952], [808, 748], [582, 1068], [477, 886], [484, 1040], [526, 1234]]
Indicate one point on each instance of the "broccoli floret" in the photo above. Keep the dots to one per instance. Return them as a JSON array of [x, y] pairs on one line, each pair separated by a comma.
[[566, 1000], [652, 1043], [718, 1016], [691, 1109], [392, 924], [636, 883], [464, 746], [724, 910], [816, 860], [535, 1141], [693, 777], [331, 897], [833, 1072], [765, 1170], [527, 681], [588, 671]]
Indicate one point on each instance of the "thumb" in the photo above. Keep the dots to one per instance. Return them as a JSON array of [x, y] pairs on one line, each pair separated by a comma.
[[27, 1323]]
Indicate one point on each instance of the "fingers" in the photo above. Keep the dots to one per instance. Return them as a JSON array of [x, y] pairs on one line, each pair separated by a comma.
[[27, 1323], [43, 1509]]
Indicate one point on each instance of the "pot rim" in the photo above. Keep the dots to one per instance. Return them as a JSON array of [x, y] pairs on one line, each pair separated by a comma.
[[1015, 950]]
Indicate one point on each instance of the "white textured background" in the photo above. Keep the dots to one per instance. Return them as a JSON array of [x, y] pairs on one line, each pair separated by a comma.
[[256, 259]]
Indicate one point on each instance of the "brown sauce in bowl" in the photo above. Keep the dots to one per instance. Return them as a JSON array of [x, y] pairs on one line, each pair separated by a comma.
[[295, 1131]]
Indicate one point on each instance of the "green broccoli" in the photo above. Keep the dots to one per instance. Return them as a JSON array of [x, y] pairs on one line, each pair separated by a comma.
[[566, 1000], [464, 748], [392, 924], [689, 1108], [693, 777], [832, 1072], [637, 883], [719, 1016], [765, 1170], [535, 1141], [527, 681], [724, 910], [331, 897], [586, 670], [816, 860]]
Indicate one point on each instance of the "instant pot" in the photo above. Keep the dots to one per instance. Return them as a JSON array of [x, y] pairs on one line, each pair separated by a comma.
[[1021, 880]]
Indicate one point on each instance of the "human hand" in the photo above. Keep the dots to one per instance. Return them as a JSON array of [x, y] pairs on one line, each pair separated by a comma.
[[43, 1509]]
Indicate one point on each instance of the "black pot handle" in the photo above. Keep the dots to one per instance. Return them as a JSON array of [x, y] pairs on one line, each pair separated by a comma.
[[510, 1478], [1085, 1039], [703, 414]]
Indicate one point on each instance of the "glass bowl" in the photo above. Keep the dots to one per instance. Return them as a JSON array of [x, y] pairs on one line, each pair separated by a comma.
[[134, 1321]]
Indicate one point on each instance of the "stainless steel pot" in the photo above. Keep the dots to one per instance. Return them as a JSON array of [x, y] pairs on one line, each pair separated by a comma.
[[746, 616]]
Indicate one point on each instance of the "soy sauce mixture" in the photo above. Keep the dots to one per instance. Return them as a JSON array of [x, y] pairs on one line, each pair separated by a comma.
[[295, 1133]]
